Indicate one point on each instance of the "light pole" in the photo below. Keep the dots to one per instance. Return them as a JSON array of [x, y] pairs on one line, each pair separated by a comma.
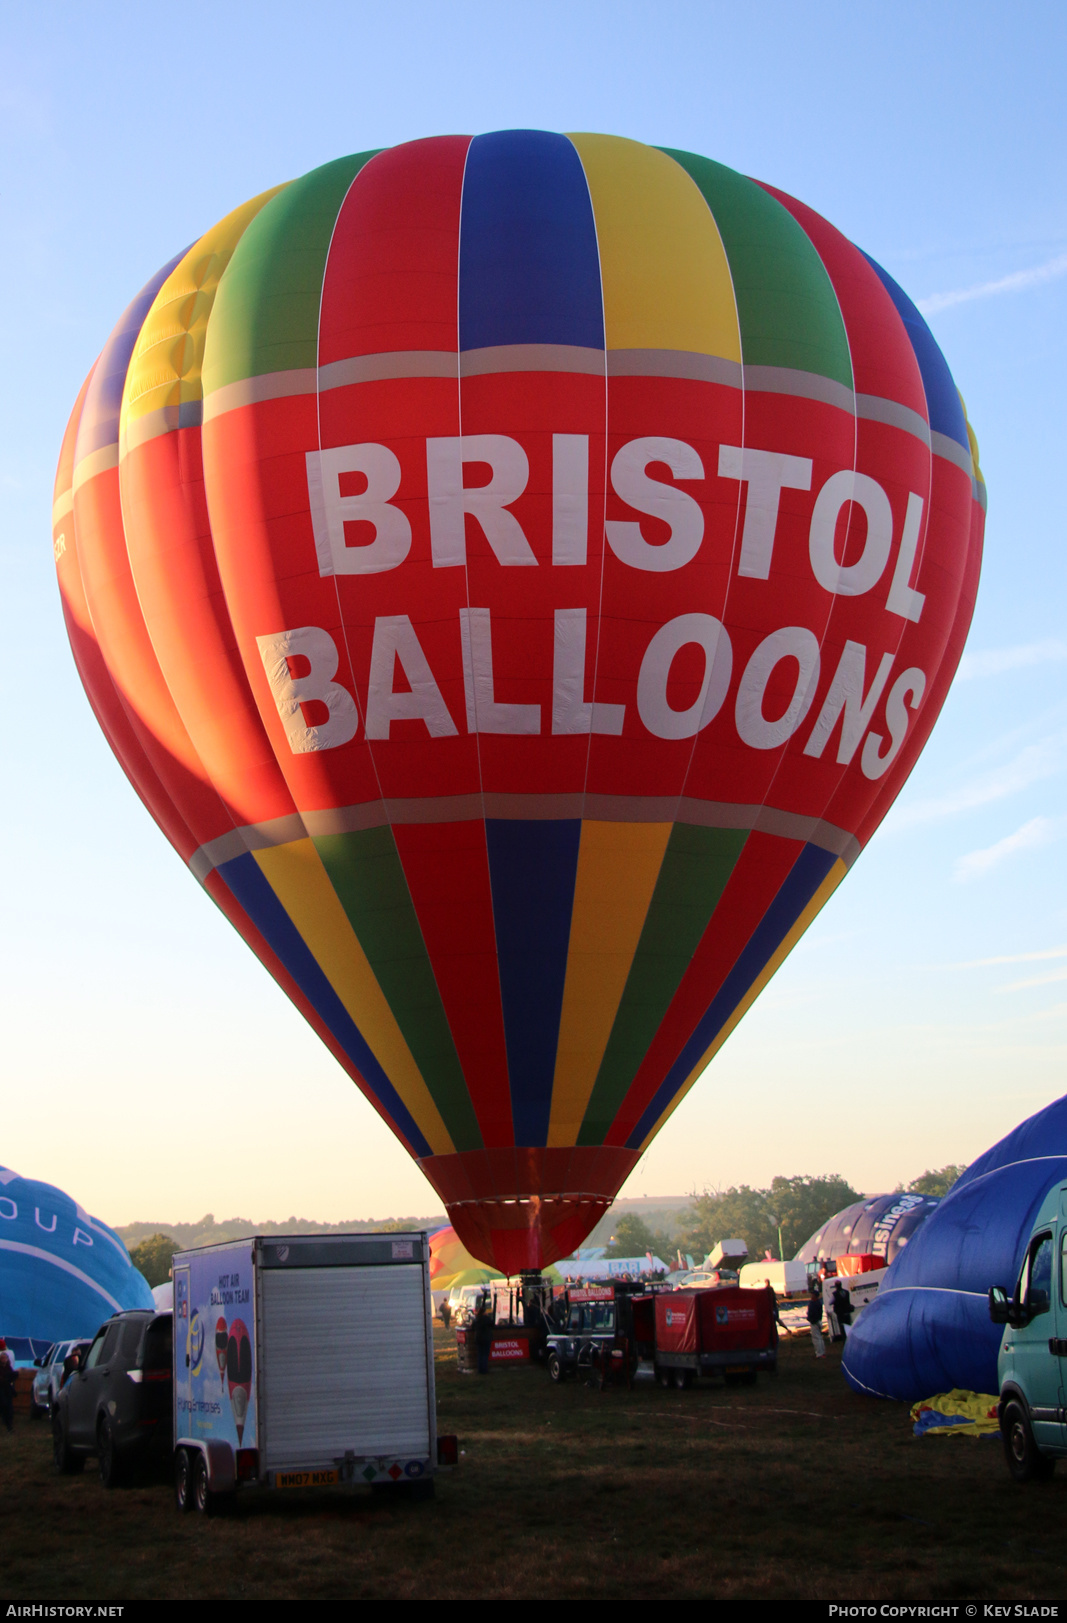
[[778, 1226]]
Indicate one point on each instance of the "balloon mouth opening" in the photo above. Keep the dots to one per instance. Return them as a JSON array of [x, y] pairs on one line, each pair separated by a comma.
[[516, 1233]]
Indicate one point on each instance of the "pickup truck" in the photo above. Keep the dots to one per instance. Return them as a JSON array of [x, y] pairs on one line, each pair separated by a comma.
[[594, 1328], [1032, 1365]]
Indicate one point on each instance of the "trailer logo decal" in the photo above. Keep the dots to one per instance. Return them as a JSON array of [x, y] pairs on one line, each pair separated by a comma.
[[196, 1341]]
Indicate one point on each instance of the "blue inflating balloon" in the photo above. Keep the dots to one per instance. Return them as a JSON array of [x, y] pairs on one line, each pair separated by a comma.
[[879, 1225], [62, 1272], [928, 1329]]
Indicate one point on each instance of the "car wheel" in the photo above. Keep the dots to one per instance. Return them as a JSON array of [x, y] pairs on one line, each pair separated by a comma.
[[37, 1411], [66, 1462], [111, 1463], [1025, 1461], [555, 1367], [183, 1480]]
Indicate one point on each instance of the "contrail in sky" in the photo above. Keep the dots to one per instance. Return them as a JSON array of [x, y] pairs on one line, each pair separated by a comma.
[[1003, 284]]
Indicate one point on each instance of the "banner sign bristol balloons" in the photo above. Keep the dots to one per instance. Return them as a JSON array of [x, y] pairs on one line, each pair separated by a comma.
[[517, 574]]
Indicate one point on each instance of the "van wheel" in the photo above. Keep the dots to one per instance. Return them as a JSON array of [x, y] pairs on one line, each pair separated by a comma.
[[66, 1462], [1025, 1461], [183, 1480]]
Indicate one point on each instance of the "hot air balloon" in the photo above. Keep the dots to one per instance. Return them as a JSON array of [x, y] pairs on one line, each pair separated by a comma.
[[451, 1263], [518, 573], [928, 1329], [62, 1272], [877, 1225]]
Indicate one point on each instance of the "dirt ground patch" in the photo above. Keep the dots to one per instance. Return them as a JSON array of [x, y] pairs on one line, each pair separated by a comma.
[[797, 1488]]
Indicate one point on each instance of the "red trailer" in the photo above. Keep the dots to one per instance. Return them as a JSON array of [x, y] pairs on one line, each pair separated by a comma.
[[723, 1331]]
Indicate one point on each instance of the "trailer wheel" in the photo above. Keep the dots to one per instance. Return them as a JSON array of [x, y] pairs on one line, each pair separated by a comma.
[[556, 1371], [1024, 1459], [663, 1376], [683, 1380], [183, 1480], [203, 1498]]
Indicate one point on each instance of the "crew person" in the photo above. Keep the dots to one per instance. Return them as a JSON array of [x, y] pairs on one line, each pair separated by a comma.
[[815, 1321], [775, 1316], [8, 1378], [483, 1336], [842, 1308]]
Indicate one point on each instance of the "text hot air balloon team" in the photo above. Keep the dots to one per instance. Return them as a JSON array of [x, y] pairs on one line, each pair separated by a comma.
[[517, 574]]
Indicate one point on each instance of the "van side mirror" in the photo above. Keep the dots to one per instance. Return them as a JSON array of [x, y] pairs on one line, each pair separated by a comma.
[[999, 1305]]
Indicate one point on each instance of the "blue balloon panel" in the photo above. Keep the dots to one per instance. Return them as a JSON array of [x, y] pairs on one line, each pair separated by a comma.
[[879, 1225], [62, 1272], [928, 1329]]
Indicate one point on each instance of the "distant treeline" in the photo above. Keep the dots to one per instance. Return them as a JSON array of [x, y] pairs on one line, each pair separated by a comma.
[[151, 1245], [778, 1219], [792, 1207]]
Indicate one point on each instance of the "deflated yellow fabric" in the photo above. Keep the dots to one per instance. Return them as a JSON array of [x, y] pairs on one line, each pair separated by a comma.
[[960, 1413]]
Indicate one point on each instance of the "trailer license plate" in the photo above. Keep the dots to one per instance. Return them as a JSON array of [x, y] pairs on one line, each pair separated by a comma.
[[306, 1479]]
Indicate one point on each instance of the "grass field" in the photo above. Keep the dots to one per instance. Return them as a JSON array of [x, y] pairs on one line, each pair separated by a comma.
[[797, 1488]]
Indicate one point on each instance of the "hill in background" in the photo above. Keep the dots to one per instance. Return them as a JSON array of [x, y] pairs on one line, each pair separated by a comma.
[[209, 1232], [781, 1216], [665, 1214]]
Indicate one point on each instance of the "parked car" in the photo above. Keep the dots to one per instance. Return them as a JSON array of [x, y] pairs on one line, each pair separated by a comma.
[[117, 1403], [49, 1377], [464, 1302]]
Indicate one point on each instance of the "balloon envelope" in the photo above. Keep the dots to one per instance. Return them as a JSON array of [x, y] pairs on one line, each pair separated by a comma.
[[518, 573], [928, 1330], [62, 1272], [878, 1225], [449, 1257]]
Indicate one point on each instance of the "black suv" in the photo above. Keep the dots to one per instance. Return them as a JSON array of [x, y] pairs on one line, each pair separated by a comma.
[[117, 1404]]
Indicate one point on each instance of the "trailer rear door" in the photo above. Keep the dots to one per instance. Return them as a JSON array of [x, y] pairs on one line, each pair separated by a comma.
[[676, 1322], [733, 1319], [344, 1364]]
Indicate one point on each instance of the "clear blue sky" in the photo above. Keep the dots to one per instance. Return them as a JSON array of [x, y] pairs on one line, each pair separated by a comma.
[[926, 1011]]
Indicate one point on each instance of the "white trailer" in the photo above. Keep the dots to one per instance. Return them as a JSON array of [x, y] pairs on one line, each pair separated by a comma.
[[302, 1360], [786, 1278]]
